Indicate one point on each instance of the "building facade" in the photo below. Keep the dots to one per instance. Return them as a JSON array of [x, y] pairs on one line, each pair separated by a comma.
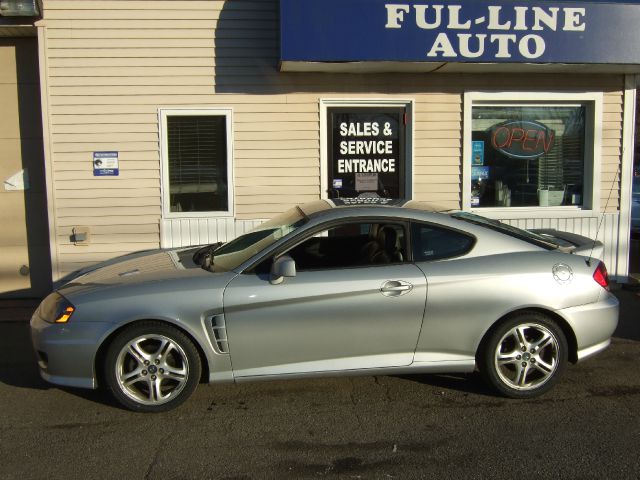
[[170, 123]]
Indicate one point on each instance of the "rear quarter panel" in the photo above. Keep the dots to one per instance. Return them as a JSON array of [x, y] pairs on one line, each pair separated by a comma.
[[466, 296]]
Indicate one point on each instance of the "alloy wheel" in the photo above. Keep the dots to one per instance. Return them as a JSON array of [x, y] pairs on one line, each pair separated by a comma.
[[152, 369], [527, 356]]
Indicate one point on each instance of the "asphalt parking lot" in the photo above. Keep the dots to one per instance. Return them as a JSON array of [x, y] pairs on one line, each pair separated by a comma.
[[366, 427]]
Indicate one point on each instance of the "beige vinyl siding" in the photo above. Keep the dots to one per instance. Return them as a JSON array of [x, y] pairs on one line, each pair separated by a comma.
[[110, 65], [610, 168]]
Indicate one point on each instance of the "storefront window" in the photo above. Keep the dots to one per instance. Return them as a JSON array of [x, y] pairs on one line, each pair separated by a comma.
[[528, 155]]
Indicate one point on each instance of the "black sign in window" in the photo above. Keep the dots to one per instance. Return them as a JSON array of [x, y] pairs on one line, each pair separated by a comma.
[[366, 152]]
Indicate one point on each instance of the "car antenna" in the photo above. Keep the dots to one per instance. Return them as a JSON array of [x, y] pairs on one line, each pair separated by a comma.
[[606, 205]]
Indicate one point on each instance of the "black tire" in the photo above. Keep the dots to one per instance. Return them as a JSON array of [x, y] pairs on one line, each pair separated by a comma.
[[510, 362], [159, 374]]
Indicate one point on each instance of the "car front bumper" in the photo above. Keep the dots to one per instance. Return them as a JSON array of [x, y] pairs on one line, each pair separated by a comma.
[[66, 352], [593, 324]]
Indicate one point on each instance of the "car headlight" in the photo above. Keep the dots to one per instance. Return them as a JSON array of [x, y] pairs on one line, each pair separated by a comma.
[[56, 309]]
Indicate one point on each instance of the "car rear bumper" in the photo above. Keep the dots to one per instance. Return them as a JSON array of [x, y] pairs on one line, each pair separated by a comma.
[[66, 352], [592, 350], [593, 324]]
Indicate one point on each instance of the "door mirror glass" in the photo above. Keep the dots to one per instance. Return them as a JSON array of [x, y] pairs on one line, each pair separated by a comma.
[[283, 266]]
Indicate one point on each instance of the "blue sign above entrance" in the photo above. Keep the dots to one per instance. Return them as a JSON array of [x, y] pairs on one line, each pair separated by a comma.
[[476, 31]]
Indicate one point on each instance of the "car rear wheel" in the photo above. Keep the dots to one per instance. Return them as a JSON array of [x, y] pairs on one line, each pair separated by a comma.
[[151, 367], [524, 356]]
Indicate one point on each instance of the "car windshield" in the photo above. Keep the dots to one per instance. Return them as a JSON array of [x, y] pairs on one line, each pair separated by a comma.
[[507, 229], [233, 254]]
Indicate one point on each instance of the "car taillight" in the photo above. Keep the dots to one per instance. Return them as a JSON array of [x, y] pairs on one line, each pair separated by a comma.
[[601, 276]]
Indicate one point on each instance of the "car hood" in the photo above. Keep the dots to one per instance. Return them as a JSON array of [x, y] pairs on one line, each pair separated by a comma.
[[143, 285], [134, 266], [152, 271]]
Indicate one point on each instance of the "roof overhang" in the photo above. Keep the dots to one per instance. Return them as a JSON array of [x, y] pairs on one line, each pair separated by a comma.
[[452, 67]]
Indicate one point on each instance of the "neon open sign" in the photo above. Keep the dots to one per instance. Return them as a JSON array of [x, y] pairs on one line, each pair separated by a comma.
[[522, 138]]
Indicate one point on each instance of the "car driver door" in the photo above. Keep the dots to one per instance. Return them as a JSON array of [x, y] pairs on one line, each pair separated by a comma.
[[354, 303]]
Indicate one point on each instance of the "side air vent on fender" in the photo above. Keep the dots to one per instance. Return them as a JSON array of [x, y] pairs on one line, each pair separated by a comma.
[[219, 330]]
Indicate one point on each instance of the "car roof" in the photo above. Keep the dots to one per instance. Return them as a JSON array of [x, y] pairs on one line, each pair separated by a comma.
[[321, 211], [366, 206]]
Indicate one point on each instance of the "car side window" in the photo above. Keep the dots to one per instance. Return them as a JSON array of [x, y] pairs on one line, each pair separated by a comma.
[[435, 243], [352, 245]]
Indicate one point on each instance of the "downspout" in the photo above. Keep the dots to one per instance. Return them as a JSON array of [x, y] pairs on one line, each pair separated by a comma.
[[626, 177]]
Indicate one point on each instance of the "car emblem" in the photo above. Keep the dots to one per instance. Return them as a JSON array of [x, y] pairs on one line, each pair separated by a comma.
[[562, 273]]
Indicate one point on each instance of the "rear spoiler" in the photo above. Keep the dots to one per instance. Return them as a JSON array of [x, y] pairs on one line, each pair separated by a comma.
[[573, 243]]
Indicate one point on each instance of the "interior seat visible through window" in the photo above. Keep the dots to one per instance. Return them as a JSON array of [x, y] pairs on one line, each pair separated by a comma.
[[391, 244], [351, 245]]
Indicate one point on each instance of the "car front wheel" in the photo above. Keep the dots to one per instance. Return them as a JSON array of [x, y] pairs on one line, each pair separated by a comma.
[[151, 367], [524, 356]]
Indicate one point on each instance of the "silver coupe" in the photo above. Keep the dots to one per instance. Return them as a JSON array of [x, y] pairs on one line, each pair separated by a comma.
[[337, 287]]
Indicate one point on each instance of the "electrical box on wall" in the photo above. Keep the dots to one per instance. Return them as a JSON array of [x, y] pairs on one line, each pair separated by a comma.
[[80, 235]]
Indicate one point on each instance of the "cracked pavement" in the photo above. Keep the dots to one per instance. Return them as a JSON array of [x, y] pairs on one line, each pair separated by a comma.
[[416, 426]]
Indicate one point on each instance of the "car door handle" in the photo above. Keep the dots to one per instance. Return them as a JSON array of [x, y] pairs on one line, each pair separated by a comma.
[[395, 288]]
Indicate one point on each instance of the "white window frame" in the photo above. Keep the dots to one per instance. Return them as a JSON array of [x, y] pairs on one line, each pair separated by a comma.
[[163, 113], [407, 103], [593, 156]]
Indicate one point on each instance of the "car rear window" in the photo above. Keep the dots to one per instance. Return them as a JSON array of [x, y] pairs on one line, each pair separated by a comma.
[[436, 243], [506, 229]]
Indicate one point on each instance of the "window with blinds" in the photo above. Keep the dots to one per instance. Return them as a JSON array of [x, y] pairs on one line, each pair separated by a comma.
[[197, 166]]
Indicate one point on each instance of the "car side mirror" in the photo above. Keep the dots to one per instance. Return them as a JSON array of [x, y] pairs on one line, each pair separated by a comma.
[[283, 266]]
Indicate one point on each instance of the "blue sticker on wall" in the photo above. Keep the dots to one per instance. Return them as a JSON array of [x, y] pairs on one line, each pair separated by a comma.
[[105, 164]]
